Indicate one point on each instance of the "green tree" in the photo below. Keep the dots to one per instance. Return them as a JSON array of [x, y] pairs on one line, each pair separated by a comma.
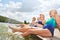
[[3, 19]]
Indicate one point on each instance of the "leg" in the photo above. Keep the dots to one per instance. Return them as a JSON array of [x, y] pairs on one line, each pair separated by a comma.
[[28, 32], [38, 32], [18, 29]]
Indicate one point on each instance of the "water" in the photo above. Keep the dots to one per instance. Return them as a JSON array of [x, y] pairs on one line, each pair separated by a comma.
[[6, 33]]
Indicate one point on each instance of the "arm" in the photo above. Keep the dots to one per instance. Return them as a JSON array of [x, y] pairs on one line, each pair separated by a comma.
[[44, 21], [57, 18]]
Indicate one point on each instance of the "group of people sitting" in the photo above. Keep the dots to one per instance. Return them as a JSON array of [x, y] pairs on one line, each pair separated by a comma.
[[40, 21], [41, 26]]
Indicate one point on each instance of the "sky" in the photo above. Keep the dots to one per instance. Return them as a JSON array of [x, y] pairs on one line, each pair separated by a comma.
[[26, 9]]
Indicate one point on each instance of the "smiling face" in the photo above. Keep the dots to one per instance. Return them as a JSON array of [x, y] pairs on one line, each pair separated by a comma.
[[42, 16], [53, 13], [33, 19]]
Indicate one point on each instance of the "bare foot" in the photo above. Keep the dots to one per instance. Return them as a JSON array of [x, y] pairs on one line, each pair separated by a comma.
[[13, 29], [10, 27]]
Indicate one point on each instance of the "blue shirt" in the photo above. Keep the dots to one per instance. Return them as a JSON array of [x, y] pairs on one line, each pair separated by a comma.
[[50, 25]]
